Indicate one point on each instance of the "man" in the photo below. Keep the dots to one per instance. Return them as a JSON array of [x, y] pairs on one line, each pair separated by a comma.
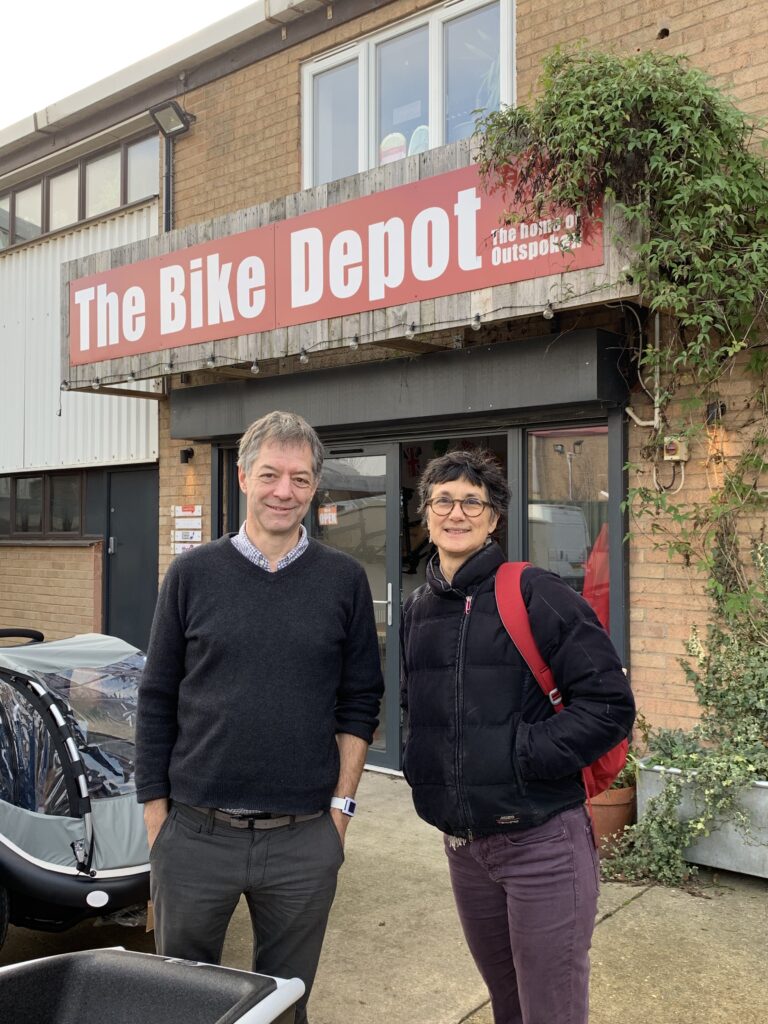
[[256, 708]]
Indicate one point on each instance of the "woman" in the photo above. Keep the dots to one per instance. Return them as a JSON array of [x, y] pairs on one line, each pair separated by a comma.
[[489, 762]]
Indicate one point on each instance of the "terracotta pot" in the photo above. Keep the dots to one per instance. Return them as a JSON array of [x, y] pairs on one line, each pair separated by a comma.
[[611, 811]]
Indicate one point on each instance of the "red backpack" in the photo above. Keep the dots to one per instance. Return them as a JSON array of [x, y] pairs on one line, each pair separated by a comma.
[[509, 601]]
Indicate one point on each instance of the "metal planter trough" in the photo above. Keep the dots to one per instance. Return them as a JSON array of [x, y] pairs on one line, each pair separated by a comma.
[[726, 847]]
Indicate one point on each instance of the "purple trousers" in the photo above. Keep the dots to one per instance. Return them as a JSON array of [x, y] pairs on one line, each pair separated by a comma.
[[527, 902]]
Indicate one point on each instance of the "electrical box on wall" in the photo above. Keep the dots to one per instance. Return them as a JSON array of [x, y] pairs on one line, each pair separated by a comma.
[[675, 449]]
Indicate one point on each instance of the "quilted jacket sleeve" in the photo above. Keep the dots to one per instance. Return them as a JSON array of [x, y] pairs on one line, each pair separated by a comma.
[[599, 706]]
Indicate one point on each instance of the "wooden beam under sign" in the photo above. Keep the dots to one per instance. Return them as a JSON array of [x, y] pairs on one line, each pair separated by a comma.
[[411, 345], [86, 389]]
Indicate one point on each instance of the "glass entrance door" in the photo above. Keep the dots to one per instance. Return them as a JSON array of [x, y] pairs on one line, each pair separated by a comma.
[[356, 511]]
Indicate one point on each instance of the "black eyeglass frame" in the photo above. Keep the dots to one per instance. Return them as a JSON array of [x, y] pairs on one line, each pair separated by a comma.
[[473, 503]]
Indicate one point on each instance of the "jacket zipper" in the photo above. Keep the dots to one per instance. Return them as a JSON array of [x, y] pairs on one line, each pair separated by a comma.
[[459, 705]]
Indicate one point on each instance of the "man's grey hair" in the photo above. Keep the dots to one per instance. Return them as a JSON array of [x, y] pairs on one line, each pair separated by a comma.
[[287, 428]]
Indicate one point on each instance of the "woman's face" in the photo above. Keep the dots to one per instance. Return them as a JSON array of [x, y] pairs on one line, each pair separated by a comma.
[[457, 535]]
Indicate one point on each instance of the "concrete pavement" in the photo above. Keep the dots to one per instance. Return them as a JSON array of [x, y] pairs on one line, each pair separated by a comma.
[[394, 951]]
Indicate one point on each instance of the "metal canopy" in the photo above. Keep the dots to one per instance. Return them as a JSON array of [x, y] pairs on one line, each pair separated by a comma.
[[574, 368]]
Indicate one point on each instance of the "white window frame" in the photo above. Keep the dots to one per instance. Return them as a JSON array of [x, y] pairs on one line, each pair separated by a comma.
[[364, 51]]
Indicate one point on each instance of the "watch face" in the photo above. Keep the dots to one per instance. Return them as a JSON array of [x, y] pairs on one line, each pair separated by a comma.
[[351, 807]]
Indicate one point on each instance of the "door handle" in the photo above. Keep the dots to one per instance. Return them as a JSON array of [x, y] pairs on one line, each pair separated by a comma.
[[388, 603], [111, 546]]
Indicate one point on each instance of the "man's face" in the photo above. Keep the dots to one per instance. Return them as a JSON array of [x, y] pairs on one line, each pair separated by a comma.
[[279, 489]]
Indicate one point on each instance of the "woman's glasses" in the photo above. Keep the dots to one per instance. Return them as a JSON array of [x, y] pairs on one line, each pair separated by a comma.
[[472, 507]]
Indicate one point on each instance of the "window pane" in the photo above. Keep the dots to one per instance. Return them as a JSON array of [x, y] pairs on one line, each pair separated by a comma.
[[29, 208], [334, 129], [568, 508], [472, 70], [5, 221], [65, 504], [143, 169], [5, 505], [102, 184], [62, 199], [402, 77], [29, 505]]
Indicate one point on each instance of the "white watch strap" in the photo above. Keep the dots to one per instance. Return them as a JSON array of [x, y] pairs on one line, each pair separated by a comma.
[[345, 804]]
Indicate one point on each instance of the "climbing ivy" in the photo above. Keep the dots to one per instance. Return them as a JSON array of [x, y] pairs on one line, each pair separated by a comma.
[[686, 172]]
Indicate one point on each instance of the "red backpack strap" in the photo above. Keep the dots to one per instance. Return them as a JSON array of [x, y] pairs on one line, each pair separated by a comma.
[[514, 616]]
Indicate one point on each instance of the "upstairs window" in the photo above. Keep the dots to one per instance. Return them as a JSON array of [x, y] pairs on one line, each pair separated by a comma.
[[95, 185], [420, 85]]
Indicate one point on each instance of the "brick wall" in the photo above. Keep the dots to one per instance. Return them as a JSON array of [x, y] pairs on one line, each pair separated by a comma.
[[726, 38], [180, 484], [667, 597], [54, 589], [246, 144]]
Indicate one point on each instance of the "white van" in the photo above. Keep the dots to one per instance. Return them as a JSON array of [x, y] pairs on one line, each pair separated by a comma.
[[558, 540]]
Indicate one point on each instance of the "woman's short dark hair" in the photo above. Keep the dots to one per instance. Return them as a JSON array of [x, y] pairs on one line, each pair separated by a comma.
[[477, 465]]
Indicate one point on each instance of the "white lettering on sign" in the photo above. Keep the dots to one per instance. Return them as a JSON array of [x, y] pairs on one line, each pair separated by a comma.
[[134, 310], [182, 302], [427, 253], [541, 238], [306, 266], [346, 264], [386, 261], [251, 281]]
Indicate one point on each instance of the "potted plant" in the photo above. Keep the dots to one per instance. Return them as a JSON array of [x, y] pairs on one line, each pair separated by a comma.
[[616, 808]]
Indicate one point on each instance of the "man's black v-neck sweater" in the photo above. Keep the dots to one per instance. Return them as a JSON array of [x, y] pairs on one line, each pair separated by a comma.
[[250, 674]]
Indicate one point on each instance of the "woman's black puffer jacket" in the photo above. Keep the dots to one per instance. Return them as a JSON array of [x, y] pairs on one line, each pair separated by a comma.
[[486, 751]]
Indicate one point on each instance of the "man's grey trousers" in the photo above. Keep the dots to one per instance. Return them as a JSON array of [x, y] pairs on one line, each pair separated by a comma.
[[201, 867]]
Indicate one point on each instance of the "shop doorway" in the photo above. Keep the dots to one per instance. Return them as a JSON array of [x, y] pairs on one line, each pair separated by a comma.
[[354, 511]]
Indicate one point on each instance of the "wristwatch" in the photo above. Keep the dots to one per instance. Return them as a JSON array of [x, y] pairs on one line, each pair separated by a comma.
[[345, 804]]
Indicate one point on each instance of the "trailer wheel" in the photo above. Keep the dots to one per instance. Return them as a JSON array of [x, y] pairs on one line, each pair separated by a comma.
[[4, 913]]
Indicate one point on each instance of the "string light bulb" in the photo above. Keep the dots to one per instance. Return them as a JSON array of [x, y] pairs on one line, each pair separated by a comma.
[[96, 384], [548, 313], [64, 386], [304, 357], [476, 322], [355, 343], [211, 360], [411, 332], [169, 366], [255, 368]]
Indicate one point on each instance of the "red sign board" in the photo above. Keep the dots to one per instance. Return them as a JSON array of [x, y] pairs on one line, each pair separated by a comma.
[[440, 236]]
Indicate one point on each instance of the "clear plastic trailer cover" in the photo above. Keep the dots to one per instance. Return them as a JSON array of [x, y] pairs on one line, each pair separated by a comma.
[[95, 679]]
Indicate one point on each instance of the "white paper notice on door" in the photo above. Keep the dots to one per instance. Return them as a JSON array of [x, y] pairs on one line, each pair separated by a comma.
[[327, 515], [179, 549]]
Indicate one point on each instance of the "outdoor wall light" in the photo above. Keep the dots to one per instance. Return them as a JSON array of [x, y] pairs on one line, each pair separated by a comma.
[[186, 455], [171, 119]]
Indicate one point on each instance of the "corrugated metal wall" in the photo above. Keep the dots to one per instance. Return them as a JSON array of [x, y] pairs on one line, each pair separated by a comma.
[[92, 430]]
